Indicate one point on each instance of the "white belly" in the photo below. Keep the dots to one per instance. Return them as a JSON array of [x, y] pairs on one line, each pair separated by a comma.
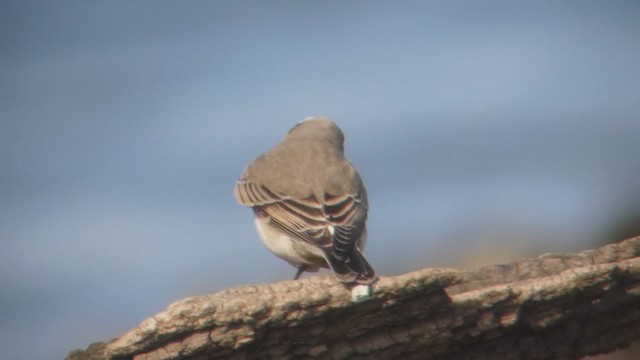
[[295, 251]]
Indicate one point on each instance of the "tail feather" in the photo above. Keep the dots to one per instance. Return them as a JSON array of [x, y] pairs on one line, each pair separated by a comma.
[[355, 269]]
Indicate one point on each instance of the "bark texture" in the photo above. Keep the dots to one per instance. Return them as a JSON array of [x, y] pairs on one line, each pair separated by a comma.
[[555, 306]]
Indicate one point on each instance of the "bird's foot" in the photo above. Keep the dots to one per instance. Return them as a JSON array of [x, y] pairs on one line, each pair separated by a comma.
[[299, 272]]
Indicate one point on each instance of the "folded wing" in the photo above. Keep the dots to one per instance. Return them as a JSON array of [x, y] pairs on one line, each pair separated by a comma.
[[335, 224]]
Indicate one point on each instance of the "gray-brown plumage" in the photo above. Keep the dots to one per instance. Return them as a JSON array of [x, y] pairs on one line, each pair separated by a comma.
[[309, 202]]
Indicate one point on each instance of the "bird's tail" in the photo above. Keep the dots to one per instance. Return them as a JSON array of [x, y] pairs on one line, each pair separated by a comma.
[[354, 269]]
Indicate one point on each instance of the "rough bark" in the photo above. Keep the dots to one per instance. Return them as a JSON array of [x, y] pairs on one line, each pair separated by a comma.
[[555, 306]]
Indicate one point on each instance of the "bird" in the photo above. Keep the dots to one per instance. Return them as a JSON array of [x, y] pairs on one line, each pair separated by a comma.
[[310, 204]]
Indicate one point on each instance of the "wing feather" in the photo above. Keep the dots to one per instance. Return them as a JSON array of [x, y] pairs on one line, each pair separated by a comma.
[[307, 218], [334, 223]]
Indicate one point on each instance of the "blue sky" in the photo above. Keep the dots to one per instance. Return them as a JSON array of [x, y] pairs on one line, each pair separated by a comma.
[[123, 126]]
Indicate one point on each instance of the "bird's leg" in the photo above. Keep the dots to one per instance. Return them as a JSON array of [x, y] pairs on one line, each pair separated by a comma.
[[299, 272]]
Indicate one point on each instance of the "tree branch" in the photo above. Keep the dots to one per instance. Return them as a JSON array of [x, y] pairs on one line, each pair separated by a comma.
[[555, 306]]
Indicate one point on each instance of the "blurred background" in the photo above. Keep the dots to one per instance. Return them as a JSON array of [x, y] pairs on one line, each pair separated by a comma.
[[486, 132]]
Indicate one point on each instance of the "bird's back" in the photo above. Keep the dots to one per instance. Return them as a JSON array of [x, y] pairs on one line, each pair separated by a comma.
[[325, 170]]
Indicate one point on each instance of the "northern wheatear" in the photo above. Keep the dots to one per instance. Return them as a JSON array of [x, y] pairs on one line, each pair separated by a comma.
[[309, 202]]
